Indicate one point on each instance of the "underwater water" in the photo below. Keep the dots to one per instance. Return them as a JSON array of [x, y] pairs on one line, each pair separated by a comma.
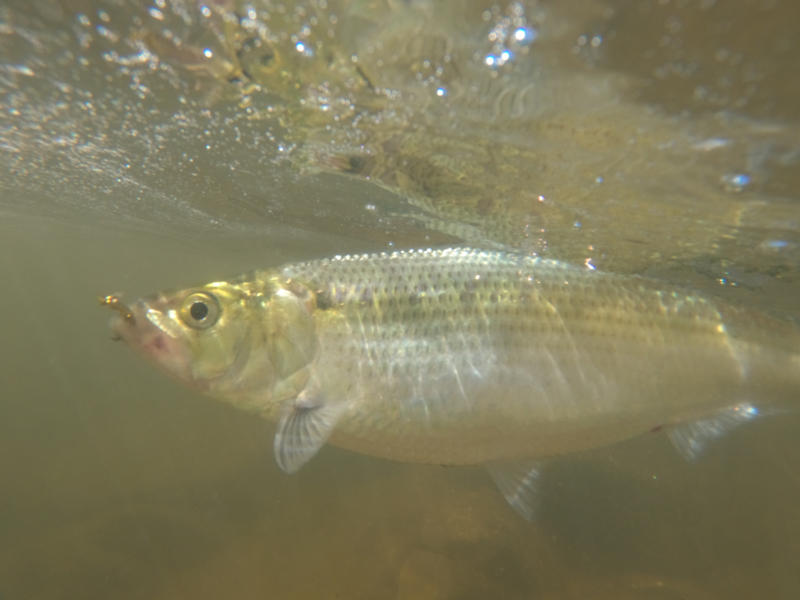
[[145, 146]]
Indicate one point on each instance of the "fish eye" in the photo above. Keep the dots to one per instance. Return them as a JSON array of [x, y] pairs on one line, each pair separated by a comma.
[[200, 310]]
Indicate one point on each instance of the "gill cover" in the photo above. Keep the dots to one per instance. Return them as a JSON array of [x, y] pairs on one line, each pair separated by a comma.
[[291, 336]]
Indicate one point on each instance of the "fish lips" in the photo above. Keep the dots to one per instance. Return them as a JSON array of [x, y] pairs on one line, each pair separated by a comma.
[[155, 336]]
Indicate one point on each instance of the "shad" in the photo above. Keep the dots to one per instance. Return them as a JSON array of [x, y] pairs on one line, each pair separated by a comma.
[[464, 357]]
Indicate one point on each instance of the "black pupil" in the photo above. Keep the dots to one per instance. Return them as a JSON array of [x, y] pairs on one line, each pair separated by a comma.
[[199, 311]]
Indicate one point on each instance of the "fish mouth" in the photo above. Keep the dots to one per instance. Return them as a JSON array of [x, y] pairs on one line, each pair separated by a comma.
[[130, 325], [136, 326], [125, 314]]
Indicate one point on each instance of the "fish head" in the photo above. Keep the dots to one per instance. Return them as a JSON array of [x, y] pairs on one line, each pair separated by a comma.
[[248, 343]]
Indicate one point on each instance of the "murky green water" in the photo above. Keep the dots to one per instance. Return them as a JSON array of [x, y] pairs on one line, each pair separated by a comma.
[[662, 137]]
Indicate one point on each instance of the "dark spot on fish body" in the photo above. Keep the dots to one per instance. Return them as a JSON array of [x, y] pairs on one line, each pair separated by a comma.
[[323, 300], [355, 164]]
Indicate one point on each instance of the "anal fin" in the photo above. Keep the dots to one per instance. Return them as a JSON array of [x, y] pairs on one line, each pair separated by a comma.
[[303, 429], [691, 439], [517, 481]]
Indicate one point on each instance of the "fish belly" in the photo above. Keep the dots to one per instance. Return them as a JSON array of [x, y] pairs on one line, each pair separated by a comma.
[[499, 403]]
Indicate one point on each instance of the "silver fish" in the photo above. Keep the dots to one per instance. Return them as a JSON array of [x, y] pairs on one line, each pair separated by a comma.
[[466, 357]]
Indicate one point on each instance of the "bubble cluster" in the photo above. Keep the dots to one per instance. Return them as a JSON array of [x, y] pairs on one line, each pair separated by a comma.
[[510, 34]]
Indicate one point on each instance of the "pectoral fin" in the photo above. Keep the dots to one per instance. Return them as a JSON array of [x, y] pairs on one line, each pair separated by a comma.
[[303, 429], [517, 481], [691, 439]]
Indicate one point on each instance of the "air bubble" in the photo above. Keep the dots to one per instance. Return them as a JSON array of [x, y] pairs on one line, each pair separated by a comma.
[[735, 182]]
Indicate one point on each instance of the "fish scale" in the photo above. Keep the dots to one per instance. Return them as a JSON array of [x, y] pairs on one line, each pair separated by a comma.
[[462, 356]]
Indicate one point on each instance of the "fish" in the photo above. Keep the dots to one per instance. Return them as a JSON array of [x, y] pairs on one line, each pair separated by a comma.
[[460, 356]]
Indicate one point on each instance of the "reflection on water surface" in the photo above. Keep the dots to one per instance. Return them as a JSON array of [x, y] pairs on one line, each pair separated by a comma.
[[152, 145]]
